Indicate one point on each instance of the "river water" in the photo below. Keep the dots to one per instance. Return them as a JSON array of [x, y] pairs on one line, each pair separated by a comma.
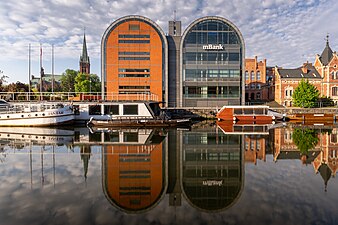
[[210, 174]]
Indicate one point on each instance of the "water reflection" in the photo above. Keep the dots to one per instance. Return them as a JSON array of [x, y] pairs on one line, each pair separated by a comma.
[[212, 168], [164, 176], [312, 145], [134, 168]]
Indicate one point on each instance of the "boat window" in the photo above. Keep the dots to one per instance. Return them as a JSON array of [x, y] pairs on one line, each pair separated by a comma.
[[130, 137], [237, 111], [248, 111], [94, 110], [111, 109], [95, 137], [112, 137], [130, 110], [259, 111]]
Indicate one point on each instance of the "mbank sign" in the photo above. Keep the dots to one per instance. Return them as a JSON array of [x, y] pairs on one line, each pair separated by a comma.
[[213, 47]]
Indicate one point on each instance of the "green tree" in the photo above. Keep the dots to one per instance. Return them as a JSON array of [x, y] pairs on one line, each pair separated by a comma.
[[305, 139], [87, 83], [68, 80], [305, 95]]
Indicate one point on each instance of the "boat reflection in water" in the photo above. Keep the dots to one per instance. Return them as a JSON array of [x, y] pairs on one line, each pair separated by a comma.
[[36, 135]]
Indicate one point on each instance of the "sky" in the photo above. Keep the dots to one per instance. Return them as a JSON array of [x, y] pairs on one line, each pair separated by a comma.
[[285, 32]]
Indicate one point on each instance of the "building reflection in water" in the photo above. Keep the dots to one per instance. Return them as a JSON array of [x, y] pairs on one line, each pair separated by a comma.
[[312, 145], [212, 168], [203, 167], [134, 168]]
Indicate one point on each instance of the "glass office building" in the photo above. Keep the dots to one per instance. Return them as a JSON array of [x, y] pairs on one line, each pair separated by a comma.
[[212, 61]]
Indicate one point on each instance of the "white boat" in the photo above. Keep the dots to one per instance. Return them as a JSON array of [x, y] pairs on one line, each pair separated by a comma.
[[84, 111], [36, 135], [125, 114], [35, 114]]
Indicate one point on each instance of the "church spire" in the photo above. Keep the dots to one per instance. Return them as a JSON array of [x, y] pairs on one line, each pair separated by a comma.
[[84, 58], [327, 53]]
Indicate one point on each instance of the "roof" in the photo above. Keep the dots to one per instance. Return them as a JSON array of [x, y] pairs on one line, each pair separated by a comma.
[[312, 73], [84, 57], [327, 54]]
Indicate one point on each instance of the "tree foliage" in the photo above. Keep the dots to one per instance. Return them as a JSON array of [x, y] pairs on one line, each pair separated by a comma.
[[305, 95], [87, 83], [305, 139], [68, 80]]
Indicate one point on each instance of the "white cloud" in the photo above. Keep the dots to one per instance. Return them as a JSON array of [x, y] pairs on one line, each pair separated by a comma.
[[287, 33]]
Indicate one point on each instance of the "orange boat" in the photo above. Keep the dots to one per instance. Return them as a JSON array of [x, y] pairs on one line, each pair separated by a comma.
[[248, 114]]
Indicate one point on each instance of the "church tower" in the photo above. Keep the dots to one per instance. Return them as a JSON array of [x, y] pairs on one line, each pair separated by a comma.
[[84, 58]]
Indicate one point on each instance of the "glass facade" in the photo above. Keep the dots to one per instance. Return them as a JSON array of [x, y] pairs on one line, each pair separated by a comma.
[[211, 64]]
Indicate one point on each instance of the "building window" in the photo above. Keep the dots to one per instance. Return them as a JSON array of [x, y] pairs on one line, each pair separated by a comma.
[[335, 91], [258, 75], [252, 76], [134, 27], [246, 75]]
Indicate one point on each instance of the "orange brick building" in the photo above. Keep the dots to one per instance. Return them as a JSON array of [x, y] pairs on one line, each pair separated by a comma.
[[287, 80], [258, 84], [134, 55]]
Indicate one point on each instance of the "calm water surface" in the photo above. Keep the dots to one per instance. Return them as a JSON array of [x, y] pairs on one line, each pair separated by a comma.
[[207, 175]]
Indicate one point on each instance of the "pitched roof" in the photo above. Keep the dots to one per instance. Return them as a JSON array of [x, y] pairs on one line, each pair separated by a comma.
[[327, 54], [312, 73]]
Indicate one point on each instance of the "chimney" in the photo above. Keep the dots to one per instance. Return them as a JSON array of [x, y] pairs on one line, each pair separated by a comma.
[[304, 68]]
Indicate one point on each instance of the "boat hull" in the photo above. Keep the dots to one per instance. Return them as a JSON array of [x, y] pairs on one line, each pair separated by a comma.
[[51, 117]]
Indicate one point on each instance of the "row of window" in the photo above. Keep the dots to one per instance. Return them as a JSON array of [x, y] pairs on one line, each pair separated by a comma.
[[253, 145], [129, 92], [252, 75], [113, 110], [134, 58], [211, 26], [134, 36], [134, 53], [134, 75], [134, 87], [253, 86], [193, 57], [131, 70], [113, 137], [211, 138], [203, 74], [201, 37], [252, 96], [211, 92], [133, 41]]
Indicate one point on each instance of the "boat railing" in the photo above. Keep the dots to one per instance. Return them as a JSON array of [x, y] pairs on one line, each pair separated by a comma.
[[77, 96]]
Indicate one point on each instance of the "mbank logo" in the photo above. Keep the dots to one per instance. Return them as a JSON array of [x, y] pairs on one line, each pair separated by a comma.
[[213, 47]]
